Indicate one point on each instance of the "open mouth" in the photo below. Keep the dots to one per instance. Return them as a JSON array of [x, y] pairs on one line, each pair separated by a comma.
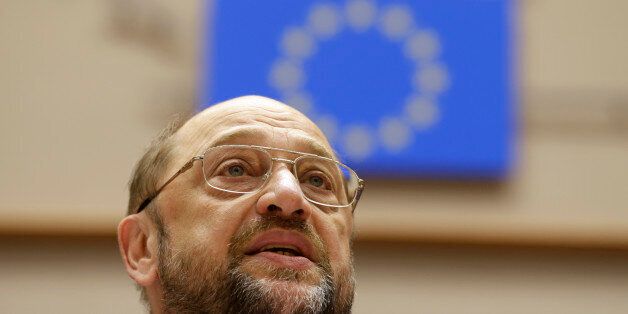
[[284, 248]]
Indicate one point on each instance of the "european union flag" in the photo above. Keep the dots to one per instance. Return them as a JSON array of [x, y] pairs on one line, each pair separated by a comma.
[[401, 87]]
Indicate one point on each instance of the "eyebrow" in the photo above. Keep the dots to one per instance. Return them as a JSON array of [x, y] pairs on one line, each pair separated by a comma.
[[235, 136]]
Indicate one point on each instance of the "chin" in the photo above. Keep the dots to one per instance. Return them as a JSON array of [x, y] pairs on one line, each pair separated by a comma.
[[291, 295], [288, 290]]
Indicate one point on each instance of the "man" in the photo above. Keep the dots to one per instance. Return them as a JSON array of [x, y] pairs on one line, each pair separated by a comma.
[[243, 209]]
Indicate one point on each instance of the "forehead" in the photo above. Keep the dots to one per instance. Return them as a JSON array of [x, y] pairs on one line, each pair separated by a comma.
[[259, 121], [259, 135]]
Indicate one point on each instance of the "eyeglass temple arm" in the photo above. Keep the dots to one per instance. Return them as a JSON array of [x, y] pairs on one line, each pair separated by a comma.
[[358, 194], [183, 169]]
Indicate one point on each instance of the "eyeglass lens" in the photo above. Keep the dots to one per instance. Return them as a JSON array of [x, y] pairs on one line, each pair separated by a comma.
[[245, 169]]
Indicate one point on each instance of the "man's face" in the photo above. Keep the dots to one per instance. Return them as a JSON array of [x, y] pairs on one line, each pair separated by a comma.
[[266, 251]]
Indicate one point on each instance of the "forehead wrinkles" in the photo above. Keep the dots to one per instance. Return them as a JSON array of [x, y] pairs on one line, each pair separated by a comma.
[[206, 127], [214, 122]]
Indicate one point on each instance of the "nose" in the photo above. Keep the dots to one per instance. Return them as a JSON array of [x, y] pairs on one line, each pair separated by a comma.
[[282, 196]]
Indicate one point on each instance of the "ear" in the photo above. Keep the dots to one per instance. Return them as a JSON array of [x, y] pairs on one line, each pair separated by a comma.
[[137, 240]]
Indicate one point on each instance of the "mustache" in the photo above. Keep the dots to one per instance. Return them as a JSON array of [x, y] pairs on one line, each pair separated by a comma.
[[238, 242]]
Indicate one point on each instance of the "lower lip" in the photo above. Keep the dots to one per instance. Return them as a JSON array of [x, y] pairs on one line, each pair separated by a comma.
[[295, 262]]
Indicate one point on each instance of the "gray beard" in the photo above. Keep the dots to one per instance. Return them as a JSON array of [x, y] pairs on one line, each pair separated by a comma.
[[192, 285]]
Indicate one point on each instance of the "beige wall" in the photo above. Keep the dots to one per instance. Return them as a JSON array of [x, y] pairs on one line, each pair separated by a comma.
[[86, 84], [82, 91], [70, 275]]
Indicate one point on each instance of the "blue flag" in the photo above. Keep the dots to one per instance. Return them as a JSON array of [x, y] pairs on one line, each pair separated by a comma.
[[401, 88]]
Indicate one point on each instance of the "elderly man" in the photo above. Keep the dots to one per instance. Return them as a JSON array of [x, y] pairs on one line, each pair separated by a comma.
[[242, 209]]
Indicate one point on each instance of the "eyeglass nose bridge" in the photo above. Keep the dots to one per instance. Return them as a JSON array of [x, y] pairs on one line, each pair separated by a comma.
[[270, 172], [288, 161]]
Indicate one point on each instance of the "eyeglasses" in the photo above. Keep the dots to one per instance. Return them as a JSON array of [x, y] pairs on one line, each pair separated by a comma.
[[244, 169]]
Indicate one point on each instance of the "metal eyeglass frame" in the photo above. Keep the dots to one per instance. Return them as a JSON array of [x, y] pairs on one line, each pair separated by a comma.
[[265, 149]]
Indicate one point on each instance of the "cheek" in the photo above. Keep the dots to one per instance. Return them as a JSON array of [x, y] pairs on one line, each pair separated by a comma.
[[336, 234], [203, 224]]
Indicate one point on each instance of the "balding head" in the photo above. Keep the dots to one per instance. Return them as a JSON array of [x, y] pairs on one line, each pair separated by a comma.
[[246, 114]]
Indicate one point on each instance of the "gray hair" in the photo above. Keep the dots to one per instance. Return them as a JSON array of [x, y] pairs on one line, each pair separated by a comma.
[[152, 166]]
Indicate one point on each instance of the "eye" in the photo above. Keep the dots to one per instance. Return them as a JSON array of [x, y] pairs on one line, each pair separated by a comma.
[[235, 170], [316, 181]]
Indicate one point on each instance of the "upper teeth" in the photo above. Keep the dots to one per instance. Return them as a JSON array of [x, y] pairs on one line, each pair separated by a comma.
[[286, 247]]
